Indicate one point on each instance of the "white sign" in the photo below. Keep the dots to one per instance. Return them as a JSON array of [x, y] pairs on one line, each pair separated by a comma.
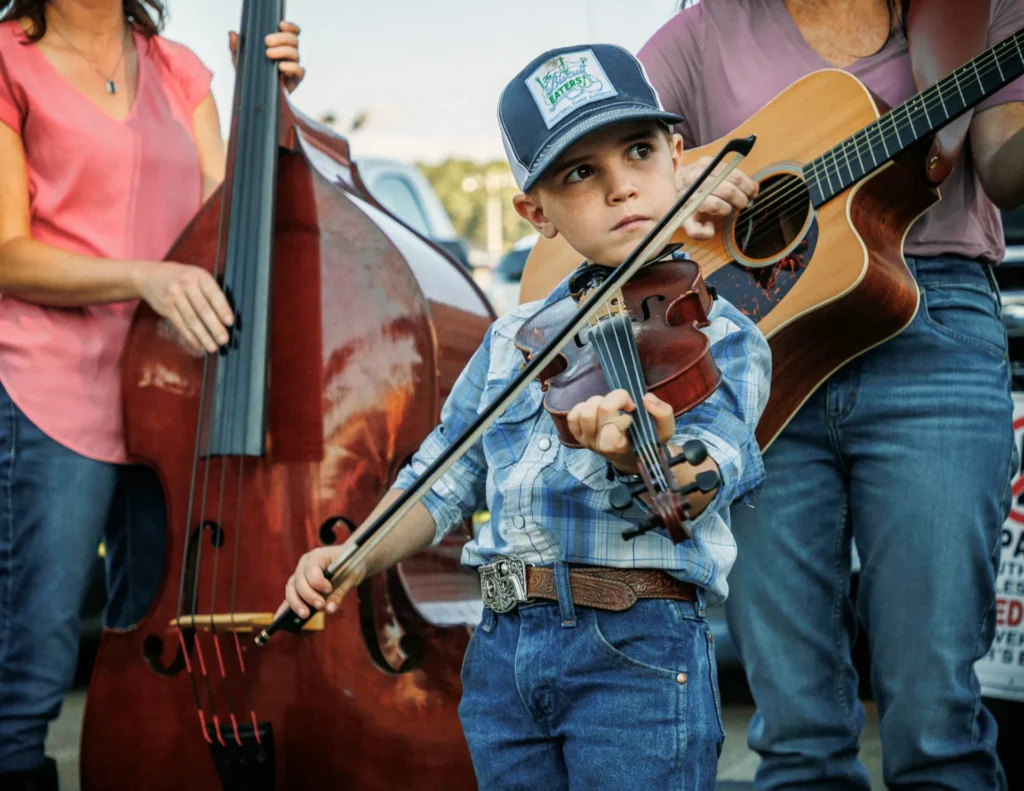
[[1001, 671]]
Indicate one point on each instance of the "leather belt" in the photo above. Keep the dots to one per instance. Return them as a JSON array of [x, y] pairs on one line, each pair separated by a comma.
[[507, 582]]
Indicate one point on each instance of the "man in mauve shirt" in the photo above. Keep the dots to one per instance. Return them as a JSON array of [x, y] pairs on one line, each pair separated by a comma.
[[908, 449]]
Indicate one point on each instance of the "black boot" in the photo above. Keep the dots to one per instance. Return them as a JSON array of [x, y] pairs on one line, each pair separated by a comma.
[[42, 779]]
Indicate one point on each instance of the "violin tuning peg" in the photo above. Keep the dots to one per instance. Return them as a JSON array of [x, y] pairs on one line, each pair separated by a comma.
[[620, 497], [639, 530], [694, 453], [707, 480]]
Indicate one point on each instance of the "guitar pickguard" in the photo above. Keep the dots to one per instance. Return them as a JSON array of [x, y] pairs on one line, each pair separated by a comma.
[[757, 290]]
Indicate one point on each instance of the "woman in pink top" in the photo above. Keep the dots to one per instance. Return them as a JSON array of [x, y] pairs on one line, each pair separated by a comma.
[[908, 449], [109, 143]]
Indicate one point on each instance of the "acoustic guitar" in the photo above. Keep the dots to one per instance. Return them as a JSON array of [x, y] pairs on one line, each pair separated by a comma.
[[817, 259]]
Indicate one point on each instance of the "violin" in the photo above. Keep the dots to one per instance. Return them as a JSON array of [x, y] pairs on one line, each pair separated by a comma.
[[646, 338], [650, 249]]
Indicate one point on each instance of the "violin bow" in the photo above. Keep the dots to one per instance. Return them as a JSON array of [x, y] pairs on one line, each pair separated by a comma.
[[659, 236]]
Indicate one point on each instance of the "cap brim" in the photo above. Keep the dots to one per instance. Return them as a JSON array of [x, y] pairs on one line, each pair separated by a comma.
[[584, 126]]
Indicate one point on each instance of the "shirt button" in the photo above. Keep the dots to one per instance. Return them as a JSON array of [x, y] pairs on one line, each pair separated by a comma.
[[518, 521], [544, 443]]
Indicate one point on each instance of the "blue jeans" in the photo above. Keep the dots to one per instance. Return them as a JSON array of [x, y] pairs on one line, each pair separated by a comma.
[[908, 450], [55, 506], [562, 697]]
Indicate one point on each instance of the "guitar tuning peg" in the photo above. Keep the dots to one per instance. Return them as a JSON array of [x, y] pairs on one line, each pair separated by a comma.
[[694, 453]]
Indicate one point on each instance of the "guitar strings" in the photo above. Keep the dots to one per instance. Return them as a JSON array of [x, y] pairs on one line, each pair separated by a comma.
[[819, 166]]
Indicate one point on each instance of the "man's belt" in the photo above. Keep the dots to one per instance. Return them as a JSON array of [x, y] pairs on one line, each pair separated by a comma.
[[507, 582]]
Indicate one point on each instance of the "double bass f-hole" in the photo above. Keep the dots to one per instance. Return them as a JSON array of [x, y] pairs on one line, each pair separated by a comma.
[[153, 647], [381, 607]]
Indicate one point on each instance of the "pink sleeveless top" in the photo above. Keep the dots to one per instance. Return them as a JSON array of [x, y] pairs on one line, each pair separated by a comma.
[[98, 187]]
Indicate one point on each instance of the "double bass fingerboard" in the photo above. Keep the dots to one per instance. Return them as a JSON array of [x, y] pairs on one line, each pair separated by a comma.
[[237, 425]]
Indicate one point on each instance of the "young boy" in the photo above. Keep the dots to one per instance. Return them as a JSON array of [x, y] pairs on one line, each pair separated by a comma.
[[560, 691]]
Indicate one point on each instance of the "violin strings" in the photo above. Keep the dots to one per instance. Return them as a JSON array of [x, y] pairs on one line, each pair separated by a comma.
[[641, 432], [634, 374]]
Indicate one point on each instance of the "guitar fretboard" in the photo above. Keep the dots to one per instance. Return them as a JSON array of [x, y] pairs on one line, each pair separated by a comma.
[[847, 163]]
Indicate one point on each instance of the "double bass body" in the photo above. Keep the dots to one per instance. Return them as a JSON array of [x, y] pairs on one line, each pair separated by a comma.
[[368, 327]]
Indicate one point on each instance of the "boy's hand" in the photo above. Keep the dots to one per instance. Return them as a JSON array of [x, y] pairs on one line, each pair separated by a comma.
[[309, 587], [600, 425], [736, 192]]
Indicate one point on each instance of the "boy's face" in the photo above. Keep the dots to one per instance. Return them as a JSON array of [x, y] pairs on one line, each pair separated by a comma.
[[608, 190]]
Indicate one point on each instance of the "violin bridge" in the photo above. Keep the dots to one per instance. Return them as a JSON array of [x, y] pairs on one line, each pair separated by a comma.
[[238, 622]]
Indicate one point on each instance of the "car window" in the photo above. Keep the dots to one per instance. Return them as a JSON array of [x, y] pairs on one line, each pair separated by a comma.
[[396, 195]]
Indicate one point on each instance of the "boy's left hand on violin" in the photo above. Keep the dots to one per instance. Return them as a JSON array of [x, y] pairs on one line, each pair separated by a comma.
[[283, 47], [600, 424]]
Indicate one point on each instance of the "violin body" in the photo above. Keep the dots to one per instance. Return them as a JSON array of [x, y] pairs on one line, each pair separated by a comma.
[[667, 302], [369, 326]]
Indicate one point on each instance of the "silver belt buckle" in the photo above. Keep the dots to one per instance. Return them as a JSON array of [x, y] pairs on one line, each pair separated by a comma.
[[503, 583]]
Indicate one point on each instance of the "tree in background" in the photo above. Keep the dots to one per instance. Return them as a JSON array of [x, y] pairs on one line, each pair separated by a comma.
[[462, 187]]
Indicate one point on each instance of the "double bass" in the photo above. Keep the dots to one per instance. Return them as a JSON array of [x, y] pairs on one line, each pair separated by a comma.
[[350, 331]]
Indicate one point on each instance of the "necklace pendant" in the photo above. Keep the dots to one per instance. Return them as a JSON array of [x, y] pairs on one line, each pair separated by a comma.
[[111, 86]]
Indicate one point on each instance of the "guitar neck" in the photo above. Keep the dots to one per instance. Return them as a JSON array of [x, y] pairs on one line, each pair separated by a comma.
[[847, 163]]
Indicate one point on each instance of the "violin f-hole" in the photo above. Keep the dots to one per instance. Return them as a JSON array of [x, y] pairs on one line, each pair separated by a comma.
[[645, 308]]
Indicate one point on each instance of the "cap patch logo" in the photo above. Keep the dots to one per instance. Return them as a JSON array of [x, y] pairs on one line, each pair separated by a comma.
[[567, 82]]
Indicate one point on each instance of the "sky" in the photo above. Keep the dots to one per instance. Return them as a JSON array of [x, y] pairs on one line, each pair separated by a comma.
[[427, 73]]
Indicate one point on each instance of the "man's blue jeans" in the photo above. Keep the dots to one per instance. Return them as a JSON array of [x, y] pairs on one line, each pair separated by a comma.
[[909, 450], [55, 506], [561, 697]]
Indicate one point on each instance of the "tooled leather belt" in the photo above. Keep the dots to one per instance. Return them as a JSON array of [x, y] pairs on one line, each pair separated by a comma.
[[507, 582]]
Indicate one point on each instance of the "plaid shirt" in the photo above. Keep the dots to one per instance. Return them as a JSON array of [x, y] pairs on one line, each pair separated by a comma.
[[548, 502]]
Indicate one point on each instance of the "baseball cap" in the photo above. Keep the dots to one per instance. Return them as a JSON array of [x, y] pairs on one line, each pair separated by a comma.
[[565, 94]]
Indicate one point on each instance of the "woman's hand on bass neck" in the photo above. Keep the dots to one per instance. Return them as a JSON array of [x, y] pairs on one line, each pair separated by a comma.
[[190, 299], [282, 47]]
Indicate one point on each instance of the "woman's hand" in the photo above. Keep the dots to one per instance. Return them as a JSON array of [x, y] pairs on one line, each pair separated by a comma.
[[736, 192], [309, 587], [189, 298], [600, 424], [283, 47]]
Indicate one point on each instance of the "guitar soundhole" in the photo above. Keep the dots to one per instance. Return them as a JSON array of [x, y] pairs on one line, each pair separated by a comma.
[[769, 227]]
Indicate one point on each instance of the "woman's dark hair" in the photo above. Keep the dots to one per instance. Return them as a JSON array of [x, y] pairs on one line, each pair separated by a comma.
[[898, 10], [147, 15]]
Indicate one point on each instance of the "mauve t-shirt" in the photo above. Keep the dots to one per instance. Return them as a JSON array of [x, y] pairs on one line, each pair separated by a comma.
[[99, 187], [721, 61]]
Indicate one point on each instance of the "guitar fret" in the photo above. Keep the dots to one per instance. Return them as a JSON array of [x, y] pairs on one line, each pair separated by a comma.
[[849, 170], [892, 118], [924, 106], [827, 178], [942, 99], [911, 119], [959, 90], [860, 159]]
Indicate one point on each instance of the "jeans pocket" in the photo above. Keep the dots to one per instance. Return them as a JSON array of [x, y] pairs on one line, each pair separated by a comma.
[[965, 314], [648, 638], [713, 673]]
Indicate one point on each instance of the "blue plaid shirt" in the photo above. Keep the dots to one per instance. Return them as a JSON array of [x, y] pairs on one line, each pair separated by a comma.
[[548, 502]]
